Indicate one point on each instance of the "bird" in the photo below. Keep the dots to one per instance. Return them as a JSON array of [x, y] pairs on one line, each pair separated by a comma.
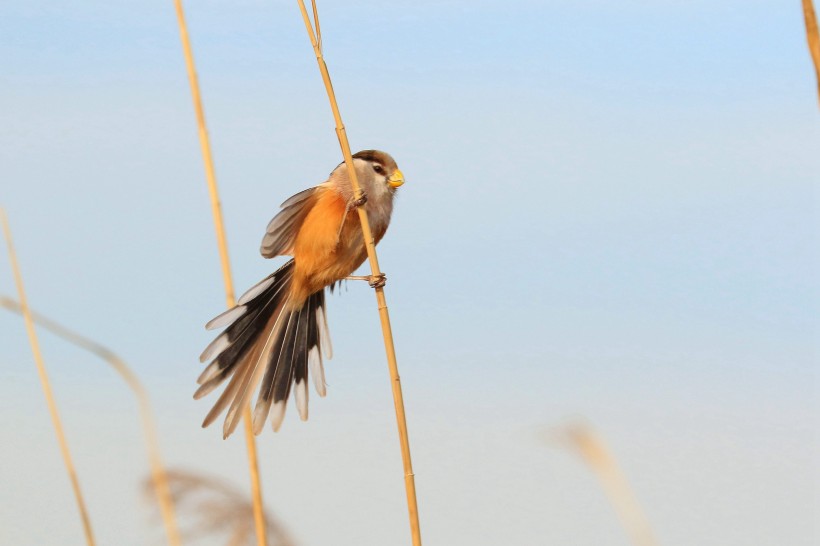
[[276, 334]]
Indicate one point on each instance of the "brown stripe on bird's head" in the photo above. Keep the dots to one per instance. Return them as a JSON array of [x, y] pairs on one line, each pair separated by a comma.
[[377, 156]]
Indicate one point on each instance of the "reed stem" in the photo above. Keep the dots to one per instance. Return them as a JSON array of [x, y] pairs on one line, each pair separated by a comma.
[[384, 317], [216, 209], [158, 474], [41, 371]]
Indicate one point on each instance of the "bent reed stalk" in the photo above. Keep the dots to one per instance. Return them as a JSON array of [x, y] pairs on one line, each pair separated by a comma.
[[159, 477], [594, 451], [398, 400], [216, 209], [813, 39], [41, 371]]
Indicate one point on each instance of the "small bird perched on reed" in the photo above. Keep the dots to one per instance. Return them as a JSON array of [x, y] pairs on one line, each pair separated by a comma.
[[278, 329]]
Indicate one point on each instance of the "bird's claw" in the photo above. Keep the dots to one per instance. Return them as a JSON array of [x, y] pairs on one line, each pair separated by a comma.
[[377, 281], [361, 200]]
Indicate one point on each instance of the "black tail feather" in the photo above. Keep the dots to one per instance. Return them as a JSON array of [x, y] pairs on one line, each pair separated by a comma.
[[240, 335], [286, 345]]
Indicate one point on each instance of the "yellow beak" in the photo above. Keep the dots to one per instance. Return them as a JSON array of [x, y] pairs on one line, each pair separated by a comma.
[[396, 179]]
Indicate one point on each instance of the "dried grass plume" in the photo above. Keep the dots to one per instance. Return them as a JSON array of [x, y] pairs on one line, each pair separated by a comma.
[[209, 508], [584, 440]]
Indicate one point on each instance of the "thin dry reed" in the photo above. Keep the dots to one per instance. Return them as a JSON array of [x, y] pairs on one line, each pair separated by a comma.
[[159, 479], [216, 209], [409, 481], [813, 38], [41, 371], [593, 450]]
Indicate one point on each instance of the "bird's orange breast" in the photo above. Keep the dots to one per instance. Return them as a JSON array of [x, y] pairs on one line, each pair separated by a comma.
[[328, 247]]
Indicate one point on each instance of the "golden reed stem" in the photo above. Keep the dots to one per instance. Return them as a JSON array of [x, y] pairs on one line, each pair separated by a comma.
[[41, 371], [813, 39], [158, 474], [398, 400], [216, 209]]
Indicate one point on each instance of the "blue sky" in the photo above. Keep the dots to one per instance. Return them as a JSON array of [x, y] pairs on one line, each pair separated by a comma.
[[610, 213]]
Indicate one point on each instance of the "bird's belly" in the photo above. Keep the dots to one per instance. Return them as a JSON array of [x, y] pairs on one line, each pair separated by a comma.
[[320, 265]]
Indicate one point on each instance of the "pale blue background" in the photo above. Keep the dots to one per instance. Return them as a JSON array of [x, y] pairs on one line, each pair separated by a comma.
[[610, 212]]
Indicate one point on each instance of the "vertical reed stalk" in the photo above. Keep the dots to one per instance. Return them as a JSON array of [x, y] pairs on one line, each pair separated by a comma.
[[398, 401], [216, 209], [159, 477], [41, 371], [813, 38]]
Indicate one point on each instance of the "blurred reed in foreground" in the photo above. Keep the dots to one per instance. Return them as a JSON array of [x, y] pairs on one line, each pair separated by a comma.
[[159, 479], [41, 371]]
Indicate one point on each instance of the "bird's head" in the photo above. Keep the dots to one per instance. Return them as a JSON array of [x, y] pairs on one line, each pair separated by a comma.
[[377, 171]]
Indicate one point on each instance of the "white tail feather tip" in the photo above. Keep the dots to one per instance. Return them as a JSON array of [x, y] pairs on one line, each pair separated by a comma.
[[317, 371], [226, 318], [302, 399], [324, 333], [277, 415], [219, 344], [255, 290], [259, 415]]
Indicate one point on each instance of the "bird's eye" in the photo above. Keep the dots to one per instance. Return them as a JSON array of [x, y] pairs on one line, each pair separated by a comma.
[[378, 168]]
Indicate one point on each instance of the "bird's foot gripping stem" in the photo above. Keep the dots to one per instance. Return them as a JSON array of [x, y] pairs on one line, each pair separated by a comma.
[[361, 200], [375, 281]]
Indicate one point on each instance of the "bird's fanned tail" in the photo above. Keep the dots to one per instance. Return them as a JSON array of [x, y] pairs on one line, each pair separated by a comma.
[[271, 339]]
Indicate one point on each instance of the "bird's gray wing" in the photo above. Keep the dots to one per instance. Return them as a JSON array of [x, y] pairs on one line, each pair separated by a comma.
[[281, 231]]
